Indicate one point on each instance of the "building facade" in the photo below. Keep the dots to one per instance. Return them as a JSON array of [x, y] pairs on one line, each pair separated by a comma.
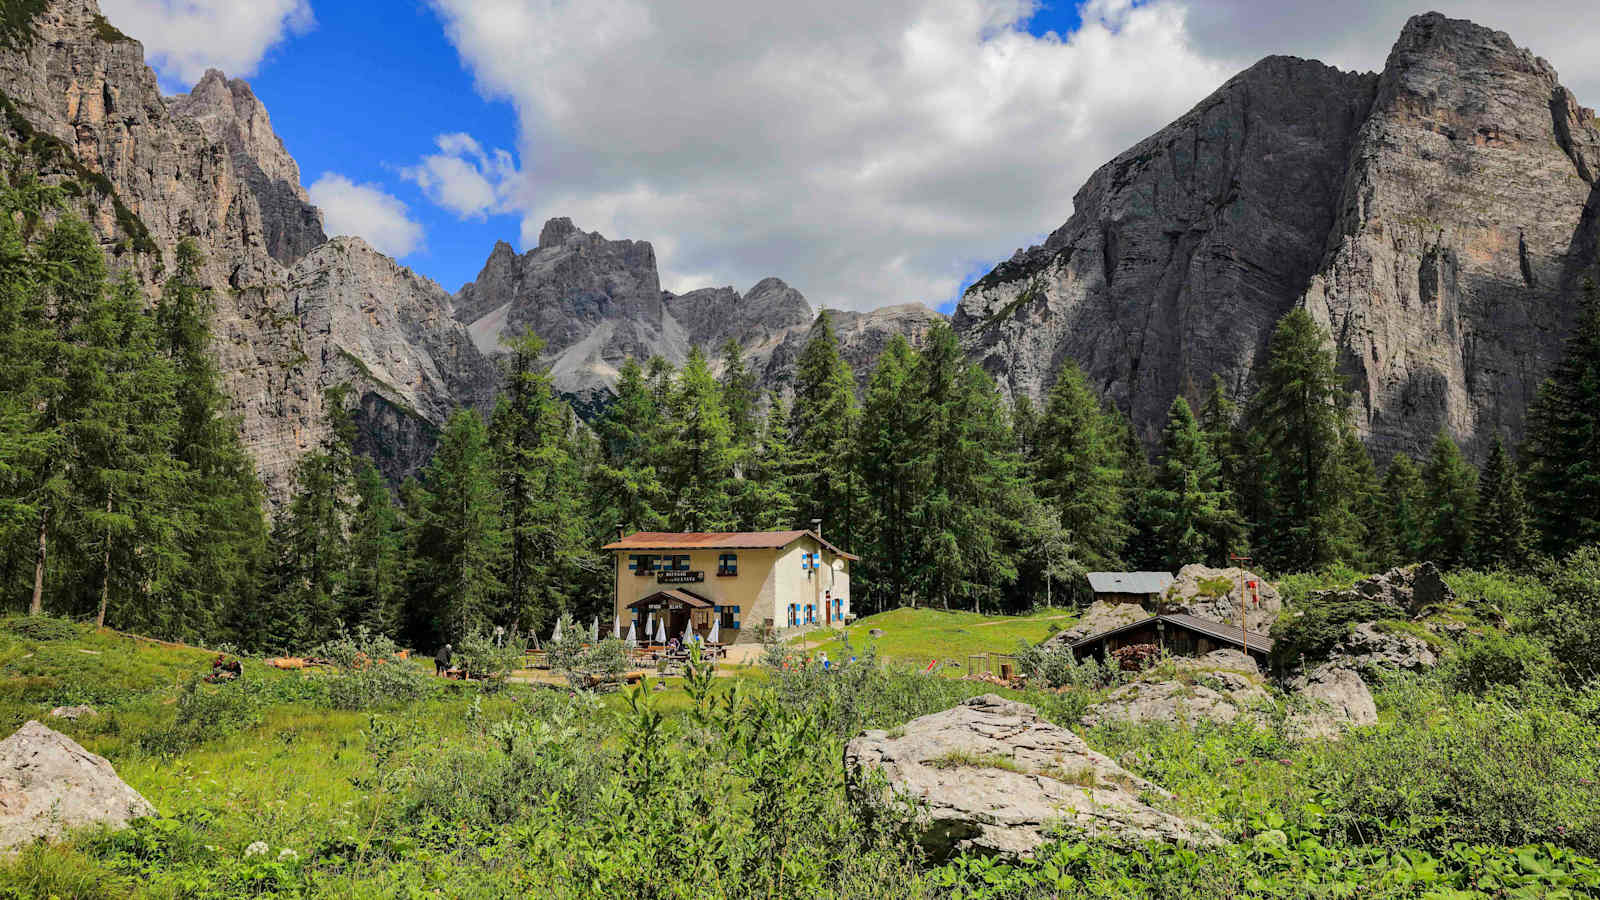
[[739, 580]]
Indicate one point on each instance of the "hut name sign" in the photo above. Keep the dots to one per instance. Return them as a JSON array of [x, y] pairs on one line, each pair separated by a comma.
[[680, 577]]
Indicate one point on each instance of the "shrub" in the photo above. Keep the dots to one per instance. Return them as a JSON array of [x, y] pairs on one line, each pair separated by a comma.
[[583, 664], [1570, 621], [1053, 666], [43, 628], [1497, 659], [485, 659], [374, 687], [207, 711]]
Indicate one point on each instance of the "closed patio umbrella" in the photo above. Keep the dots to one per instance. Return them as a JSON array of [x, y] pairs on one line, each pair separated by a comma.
[[633, 640], [616, 628], [556, 635], [594, 630], [716, 631], [661, 632]]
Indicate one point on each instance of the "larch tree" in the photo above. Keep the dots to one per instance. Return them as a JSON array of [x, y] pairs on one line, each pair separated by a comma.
[[1450, 486], [699, 457], [891, 461], [1080, 470], [1405, 500], [822, 424]]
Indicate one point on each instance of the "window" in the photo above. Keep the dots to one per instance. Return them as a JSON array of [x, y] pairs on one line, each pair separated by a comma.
[[642, 564], [727, 564], [729, 616], [679, 563]]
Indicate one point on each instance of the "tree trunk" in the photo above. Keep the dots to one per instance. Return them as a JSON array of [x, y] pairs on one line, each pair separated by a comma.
[[36, 606], [105, 573]]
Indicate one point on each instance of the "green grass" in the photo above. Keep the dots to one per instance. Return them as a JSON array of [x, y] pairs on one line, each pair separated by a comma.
[[915, 636], [959, 759]]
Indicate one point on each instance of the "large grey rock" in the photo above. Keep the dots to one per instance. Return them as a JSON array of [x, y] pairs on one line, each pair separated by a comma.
[[1333, 698], [1187, 595], [1411, 591], [72, 713], [1218, 687], [207, 167], [1440, 218], [49, 784], [1102, 615], [1369, 646], [994, 777]]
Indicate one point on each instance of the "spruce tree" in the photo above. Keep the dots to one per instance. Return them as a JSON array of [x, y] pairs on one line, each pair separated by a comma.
[[1141, 551], [892, 462], [457, 541], [540, 485], [762, 499], [1450, 486], [376, 543], [631, 437], [1193, 515], [822, 423], [1360, 524], [1405, 500], [699, 452], [1563, 444], [739, 393], [1299, 414], [1500, 532], [1080, 470]]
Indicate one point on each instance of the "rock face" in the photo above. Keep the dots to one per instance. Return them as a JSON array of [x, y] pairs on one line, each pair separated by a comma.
[[996, 778], [1195, 592], [49, 784], [597, 302], [1439, 217], [206, 166], [1102, 615], [1217, 687]]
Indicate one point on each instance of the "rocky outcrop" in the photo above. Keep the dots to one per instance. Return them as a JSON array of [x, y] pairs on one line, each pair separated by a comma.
[[1331, 698], [596, 303], [1408, 591], [49, 785], [992, 776], [1439, 217], [1102, 615], [207, 167], [1217, 687], [231, 115], [1214, 594], [1370, 646]]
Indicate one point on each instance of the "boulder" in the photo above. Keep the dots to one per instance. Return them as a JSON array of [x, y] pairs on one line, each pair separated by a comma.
[[1196, 591], [1217, 687], [875, 632], [1411, 591], [1368, 646], [1101, 616], [992, 776], [49, 784], [72, 713], [1334, 697]]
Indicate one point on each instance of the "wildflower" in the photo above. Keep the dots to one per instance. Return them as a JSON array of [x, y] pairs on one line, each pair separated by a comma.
[[259, 848], [287, 855]]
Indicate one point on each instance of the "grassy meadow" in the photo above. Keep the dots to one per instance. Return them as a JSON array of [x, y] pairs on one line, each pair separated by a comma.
[[1479, 781]]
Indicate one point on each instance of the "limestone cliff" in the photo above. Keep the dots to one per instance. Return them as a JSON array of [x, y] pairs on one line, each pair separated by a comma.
[[597, 302], [1439, 217], [152, 172]]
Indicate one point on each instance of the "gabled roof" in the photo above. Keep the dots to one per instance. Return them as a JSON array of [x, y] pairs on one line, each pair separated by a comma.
[[687, 598], [1129, 582], [718, 540], [1230, 634]]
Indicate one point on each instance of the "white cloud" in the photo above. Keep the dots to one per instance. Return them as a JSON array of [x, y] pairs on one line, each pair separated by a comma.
[[464, 178], [368, 212], [183, 38], [868, 153]]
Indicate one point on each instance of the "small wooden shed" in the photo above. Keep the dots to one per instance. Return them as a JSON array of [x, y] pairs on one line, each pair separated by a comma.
[[1143, 588], [1180, 634]]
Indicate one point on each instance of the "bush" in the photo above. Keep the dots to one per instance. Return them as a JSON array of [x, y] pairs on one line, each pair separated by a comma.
[[375, 687], [583, 664], [43, 628], [1499, 660], [485, 660], [208, 711], [1570, 621], [1052, 666]]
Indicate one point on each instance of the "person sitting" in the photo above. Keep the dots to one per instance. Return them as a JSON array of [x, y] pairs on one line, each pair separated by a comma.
[[223, 669], [441, 660]]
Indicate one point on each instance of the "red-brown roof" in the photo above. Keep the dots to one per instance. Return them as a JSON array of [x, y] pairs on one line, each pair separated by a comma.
[[687, 598], [717, 540]]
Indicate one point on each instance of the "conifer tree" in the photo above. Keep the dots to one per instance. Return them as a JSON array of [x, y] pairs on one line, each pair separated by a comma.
[[457, 542], [1229, 446], [1194, 517], [892, 463], [822, 423], [1025, 427], [1298, 415], [1500, 532], [631, 439], [1142, 549], [1451, 487], [763, 501], [376, 542], [540, 486], [1405, 500], [699, 452], [739, 394], [1080, 470], [1360, 523], [1563, 444]]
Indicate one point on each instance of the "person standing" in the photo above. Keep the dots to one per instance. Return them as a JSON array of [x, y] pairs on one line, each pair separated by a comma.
[[441, 660]]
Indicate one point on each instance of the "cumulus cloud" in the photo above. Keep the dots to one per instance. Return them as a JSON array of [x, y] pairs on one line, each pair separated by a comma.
[[368, 212], [464, 178], [869, 153], [183, 38]]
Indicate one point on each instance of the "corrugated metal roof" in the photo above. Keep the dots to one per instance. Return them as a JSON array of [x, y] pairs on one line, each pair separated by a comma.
[[717, 540], [1222, 631], [1129, 582]]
